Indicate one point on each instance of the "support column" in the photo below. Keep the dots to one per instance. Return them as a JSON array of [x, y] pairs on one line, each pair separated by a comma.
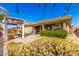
[[68, 29], [64, 26], [22, 31], [34, 31], [42, 27], [52, 27]]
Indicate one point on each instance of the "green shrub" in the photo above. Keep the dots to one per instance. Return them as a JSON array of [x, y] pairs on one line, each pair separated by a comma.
[[54, 33], [46, 46]]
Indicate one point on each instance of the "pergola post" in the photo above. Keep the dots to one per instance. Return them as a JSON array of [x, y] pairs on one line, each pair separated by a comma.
[[20, 27], [4, 29], [22, 31]]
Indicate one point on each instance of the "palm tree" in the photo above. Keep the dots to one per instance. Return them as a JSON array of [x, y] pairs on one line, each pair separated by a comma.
[[2, 15], [4, 11]]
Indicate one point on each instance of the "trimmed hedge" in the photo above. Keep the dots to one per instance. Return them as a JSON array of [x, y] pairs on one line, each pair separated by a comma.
[[54, 33]]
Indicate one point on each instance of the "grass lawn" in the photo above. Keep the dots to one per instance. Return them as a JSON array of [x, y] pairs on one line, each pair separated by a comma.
[[46, 46]]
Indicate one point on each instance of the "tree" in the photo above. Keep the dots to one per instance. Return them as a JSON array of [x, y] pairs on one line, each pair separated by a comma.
[[1, 17]]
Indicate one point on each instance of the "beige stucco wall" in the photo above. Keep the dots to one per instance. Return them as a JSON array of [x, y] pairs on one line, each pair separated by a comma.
[[28, 30]]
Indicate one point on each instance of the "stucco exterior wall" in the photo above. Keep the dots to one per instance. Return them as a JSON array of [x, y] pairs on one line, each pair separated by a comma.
[[28, 29]]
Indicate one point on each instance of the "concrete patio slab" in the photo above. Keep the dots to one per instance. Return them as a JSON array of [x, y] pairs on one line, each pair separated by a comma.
[[27, 39]]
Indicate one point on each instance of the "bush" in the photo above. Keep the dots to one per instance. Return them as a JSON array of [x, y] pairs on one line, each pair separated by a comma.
[[11, 36], [46, 46], [54, 33]]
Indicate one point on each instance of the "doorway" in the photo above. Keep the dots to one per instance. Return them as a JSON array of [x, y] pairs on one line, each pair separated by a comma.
[[37, 29]]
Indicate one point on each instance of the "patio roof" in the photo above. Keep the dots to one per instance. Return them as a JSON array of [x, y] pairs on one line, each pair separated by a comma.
[[50, 21], [13, 21]]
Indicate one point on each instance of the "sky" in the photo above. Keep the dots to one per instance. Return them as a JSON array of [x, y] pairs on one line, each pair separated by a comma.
[[33, 12]]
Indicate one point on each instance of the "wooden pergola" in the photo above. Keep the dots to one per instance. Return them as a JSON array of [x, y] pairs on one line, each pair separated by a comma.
[[7, 20]]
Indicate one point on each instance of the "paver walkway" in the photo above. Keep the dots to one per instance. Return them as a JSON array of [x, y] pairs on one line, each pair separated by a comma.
[[27, 39]]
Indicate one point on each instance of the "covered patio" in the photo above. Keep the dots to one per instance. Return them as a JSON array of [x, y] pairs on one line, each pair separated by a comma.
[[51, 24], [14, 22]]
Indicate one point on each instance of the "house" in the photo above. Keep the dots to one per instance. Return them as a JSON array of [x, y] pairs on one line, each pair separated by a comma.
[[49, 24], [52, 24], [75, 29]]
